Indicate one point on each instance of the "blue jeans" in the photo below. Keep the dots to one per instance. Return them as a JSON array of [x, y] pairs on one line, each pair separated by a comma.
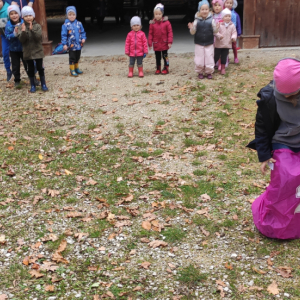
[[5, 52], [277, 146]]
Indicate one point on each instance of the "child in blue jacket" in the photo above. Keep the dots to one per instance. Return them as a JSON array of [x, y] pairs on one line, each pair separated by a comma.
[[15, 46], [73, 37], [4, 41]]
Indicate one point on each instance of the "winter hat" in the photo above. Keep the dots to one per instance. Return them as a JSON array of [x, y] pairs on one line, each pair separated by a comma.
[[27, 11], [217, 1], [225, 12], [71, 9], [235, 4], [14, 8], [203, 2], [286, 76], [160, 7], [135, 21]]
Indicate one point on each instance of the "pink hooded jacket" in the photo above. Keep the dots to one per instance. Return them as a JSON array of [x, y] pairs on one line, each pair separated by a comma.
[[160, 34], [228, 33], [136, 44]]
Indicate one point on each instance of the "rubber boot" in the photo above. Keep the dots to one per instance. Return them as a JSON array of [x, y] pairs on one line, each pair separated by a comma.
[[234, 48], [223, 70], [9, 75], [77, 70], [130, 73], [72, 71], [43, 84], [141, 72], [219, 65], [32, 85], [165, 70], [158, 70]]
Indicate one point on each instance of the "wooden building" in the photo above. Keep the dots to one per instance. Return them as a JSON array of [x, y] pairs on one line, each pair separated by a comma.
[[271, 23], [266, 23]]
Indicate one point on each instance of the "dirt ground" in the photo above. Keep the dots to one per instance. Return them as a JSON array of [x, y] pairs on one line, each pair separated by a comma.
[[117, 188]]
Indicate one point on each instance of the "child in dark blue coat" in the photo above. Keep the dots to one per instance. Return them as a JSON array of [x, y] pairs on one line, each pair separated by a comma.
[[73, 37], [15, 46]]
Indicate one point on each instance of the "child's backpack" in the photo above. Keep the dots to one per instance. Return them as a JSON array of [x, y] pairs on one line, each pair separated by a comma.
[[59, 49], [276, 213]]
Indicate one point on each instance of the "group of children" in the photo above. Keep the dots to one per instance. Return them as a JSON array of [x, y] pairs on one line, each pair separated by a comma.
[[214, 34], [23, 37]]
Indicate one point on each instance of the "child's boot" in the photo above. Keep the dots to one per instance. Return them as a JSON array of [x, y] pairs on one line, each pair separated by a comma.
[[209, 76], [141, 72], [72, 71], [158, 70], [219, 65], [165, 70], [130, 73], [32, 85], [9, 75], [223, 70], [43, 84], [77, 70]]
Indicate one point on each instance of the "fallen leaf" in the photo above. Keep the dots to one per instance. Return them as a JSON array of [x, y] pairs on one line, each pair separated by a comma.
[[222, 294], [258, 271], [285, 272], [146, 265], [2, 239], [41, 157], [255, 288], [220, 282], [138, 288], [205, 197], [49, 288], [36, 274], [157, 243], [273, 288], [146, 225], [229, 267], [68, 172]]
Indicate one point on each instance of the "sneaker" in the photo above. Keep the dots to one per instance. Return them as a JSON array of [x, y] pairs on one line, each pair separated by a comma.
[[236, 61]]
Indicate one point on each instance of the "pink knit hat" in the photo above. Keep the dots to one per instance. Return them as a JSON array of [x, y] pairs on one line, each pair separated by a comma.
[[217, 1], [287, 76]]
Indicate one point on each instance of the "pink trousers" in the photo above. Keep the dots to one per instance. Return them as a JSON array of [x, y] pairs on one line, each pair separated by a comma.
[[204, 59]]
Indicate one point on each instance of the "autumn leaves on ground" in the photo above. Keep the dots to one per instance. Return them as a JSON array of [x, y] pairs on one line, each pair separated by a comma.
[[117, 188]]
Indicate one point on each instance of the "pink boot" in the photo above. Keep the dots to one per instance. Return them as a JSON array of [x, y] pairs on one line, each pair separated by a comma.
[[223, 72], [130, 73]]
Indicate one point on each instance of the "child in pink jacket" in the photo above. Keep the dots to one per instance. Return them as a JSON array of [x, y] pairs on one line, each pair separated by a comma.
[[161, 38], [136, 46], [224, 38]]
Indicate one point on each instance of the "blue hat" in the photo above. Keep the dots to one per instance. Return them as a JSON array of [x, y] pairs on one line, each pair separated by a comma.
[[203, 2], [71, 9]]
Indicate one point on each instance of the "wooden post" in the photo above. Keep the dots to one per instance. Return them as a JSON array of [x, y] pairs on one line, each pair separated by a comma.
[[41, 18]]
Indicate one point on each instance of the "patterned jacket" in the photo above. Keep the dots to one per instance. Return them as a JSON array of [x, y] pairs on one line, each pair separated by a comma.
[[72, 34], [14, 44]]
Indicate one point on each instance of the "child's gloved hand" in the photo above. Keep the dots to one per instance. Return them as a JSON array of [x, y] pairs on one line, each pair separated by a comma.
[[144, 55]]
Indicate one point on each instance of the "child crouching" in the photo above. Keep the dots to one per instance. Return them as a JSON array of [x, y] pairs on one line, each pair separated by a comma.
[[225, 37], [73, 37], [30, 35], [136, 46]]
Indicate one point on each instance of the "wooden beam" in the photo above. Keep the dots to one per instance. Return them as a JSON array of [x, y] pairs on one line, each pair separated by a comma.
[[41, 18]]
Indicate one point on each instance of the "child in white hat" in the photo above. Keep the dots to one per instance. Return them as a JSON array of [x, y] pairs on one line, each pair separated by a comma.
[[30, 35], [136, 46]]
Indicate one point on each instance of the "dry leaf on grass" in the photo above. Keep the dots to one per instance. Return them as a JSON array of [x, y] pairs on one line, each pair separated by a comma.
[[36, 274], [145, 265], [80, 235], [258, 271], [157, 243], [273, 288], [220, 282], [123, 223], [49, 288], [2, 239], [285, 272], [138, 288], [222, 294], [146, 225], [255, 288], [51, 237], [227, 266], [74, 214], [205, 197]]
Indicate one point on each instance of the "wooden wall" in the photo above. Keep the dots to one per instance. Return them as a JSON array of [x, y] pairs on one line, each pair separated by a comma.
[[276, 21]]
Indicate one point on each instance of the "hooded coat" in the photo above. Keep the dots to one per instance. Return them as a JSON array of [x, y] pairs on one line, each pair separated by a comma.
[[136, 44], [160, 34], [14, 44], [72, 34], [31, 41], [227, 34]]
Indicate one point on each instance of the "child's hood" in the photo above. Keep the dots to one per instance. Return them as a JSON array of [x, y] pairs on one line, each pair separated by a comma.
[[3, 10], [164, 19], [68, 21], [14, 25], [200, 18]]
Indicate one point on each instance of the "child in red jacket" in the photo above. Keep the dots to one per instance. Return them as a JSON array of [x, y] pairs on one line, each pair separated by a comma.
[[136, 46], [161, 37]]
